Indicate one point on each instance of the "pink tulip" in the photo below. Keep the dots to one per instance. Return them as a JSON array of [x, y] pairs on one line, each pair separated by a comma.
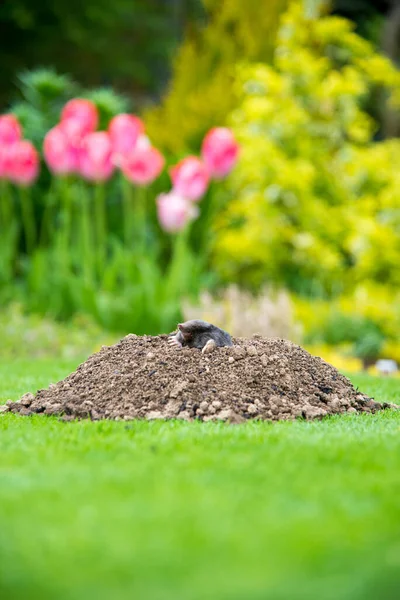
[[220, 151], [24, 163], [143, 142], [73, 131], [96, 157], [61, 149], [10, 130], [124, 132], [143, 164], [190, 178], [174, 211], [83, 112]]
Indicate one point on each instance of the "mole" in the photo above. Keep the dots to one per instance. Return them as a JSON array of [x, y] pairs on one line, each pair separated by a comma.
[[199, 334]]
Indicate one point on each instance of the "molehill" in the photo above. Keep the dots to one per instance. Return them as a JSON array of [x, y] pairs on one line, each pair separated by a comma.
[[144, 378]]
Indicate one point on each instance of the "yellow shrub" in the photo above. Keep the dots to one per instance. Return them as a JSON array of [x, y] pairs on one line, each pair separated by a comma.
[[201, 93], [315, 202]]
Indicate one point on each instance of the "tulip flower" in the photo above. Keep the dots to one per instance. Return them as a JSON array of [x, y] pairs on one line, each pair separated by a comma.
[[10, 130], [124, 132], [61, 149], [174, 211], [190, 178], [143, 165], [24, 163], [220, 151], [96, 157], [83, 113], [143, 143]]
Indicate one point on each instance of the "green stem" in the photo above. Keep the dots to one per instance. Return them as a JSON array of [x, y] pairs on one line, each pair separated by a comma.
[[6, 204], [9, 226], [101, 231], [86, 235], [28, 219], [47, 224], [210, 211], [140, 224], [128, 211], [176, 272], [65, 195]]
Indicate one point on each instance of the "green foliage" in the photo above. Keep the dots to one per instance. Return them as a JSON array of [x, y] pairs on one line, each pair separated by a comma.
[[366, 337], [315, 199], [46, 90], [370, 345], [367, 14], [43, 93], [201, 92], [108, 103], [126, 44], [129, 279], [340, 328]]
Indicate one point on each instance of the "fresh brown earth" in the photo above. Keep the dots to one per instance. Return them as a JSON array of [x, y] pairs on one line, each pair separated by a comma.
[[144, 378]]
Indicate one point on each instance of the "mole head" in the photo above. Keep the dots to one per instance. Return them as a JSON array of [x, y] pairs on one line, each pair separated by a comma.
[[186, 333], [193, 327]]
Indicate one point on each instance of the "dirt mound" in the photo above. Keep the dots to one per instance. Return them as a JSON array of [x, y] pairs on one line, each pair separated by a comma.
[[142, 377]]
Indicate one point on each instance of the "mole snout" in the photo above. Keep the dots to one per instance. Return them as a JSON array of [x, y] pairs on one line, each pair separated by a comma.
[[199, 334]]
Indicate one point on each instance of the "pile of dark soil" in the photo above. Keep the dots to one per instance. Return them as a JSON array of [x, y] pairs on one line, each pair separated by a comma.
[[144, 378]]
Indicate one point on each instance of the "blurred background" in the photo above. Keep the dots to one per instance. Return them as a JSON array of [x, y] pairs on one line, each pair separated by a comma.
[[286, 222]]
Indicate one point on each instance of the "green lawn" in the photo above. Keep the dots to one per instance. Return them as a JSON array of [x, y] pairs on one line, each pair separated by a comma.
[[191, 511]]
